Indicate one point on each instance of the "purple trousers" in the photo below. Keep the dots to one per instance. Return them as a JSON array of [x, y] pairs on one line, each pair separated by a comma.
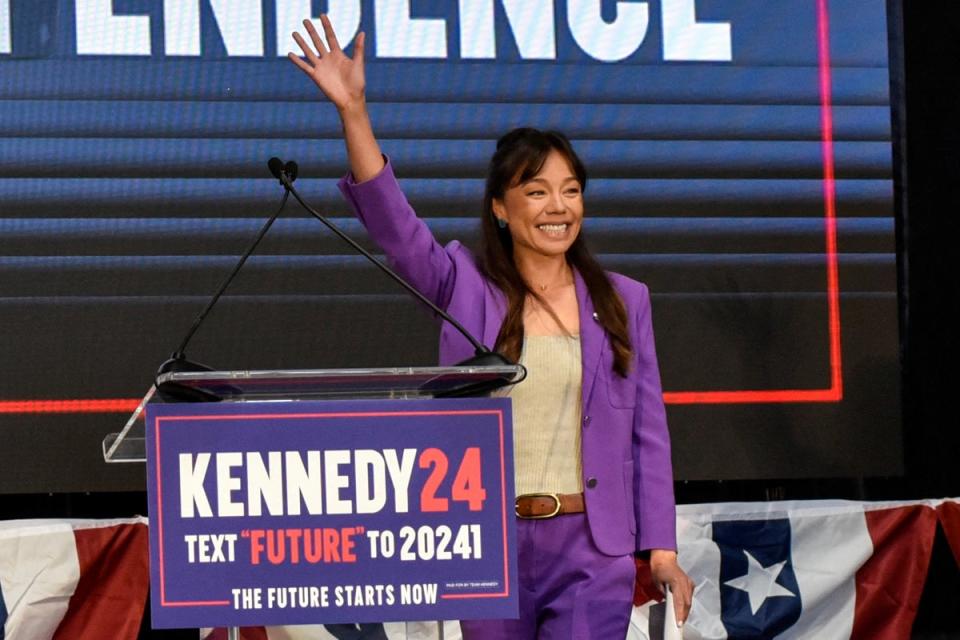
[[568, 589]]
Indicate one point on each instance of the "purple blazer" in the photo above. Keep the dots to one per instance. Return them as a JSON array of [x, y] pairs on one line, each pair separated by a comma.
[[627, 472]]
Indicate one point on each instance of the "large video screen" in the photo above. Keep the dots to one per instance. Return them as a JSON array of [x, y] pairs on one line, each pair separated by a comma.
[[739, 157]]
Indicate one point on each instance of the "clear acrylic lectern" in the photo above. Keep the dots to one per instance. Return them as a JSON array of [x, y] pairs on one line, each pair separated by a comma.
[[128, 445]]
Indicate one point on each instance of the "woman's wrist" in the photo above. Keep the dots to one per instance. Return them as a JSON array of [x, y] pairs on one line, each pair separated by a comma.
[[354, 110], [659, 556]]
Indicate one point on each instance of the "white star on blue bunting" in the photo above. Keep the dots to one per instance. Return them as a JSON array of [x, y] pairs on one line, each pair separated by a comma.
[[760, 582], [759, 594]]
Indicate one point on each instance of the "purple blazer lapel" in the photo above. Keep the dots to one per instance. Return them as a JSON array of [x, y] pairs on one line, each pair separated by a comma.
[[493, 315], [592, 338]]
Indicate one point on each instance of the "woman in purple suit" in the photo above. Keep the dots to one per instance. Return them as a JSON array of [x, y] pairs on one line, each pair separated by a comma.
[[593, 471]]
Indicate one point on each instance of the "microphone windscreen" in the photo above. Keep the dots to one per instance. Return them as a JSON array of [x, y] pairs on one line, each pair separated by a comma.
[[275, 165], [291, 169]]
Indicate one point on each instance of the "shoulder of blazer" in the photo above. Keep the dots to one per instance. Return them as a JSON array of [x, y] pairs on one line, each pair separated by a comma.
[[632, 292]]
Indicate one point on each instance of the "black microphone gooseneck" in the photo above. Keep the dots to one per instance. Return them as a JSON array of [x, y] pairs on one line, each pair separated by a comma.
[[177, 361], [483, 355]]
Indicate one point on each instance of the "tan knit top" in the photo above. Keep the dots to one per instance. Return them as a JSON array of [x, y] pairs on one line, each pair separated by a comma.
[[546, 416]]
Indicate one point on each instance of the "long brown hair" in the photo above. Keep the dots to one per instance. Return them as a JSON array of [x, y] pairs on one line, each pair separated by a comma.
[[519, 157]]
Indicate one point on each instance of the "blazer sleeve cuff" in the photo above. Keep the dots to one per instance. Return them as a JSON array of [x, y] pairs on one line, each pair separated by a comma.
[[660, 535], [375, 194]]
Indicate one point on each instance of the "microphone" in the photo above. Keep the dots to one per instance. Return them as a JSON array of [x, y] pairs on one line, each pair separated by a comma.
[[279, 168], [483, 356], [178, 361], [291, 169], [275, 165]]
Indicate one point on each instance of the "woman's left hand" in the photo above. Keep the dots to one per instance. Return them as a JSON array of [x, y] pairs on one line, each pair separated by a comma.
[[667, 573]]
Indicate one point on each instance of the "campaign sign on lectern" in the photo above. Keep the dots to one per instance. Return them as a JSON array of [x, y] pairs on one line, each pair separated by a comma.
[[268, 513]]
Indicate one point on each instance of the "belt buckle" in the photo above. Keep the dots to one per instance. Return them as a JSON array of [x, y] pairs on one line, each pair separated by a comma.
[[556, 508]]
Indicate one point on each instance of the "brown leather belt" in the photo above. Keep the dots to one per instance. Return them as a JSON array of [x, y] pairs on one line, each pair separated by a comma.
[[536, 506]]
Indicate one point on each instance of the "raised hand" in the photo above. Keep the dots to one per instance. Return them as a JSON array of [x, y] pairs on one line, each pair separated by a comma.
[[341, 79], [338, 76]]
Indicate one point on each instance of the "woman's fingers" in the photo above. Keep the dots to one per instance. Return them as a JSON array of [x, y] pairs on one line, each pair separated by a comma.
[[682, 599], [672, 579], [328, 32], [317, 42], [681, 608], [358, 48], [338, 77], [295, 59], [307, 50]]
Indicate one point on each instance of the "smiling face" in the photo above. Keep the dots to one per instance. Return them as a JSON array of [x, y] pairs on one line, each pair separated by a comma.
[[543, 214]]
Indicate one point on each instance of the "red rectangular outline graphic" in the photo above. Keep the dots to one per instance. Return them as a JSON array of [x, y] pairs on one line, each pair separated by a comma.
[[352, 414], [833, 393]]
